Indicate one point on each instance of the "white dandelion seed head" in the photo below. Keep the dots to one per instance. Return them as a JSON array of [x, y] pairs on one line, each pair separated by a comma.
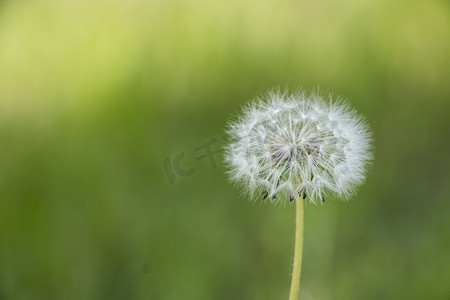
[[300, 144]]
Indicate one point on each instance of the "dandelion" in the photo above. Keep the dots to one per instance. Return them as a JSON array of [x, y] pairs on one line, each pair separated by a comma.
[[288, 147]]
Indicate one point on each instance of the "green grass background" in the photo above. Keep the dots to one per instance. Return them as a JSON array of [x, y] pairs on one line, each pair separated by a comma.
[[94, 95]]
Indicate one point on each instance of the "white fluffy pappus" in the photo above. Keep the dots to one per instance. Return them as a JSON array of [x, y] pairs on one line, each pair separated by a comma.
[[285, 145]]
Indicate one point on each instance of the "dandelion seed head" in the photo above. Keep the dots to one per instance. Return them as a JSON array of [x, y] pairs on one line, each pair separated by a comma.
[[298, 144]]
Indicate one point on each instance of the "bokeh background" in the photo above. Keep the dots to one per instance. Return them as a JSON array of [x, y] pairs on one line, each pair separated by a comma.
[[98, 98]]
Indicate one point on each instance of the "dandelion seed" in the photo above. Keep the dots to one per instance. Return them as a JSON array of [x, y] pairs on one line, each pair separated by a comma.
[[298, 144]]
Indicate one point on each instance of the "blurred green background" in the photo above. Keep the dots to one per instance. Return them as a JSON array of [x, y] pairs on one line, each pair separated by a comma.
[[96, 95]]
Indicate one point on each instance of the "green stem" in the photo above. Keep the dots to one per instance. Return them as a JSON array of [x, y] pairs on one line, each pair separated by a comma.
[[298, 252]]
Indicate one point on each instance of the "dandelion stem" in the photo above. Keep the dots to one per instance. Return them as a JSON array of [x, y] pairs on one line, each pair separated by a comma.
[[298, 252]]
